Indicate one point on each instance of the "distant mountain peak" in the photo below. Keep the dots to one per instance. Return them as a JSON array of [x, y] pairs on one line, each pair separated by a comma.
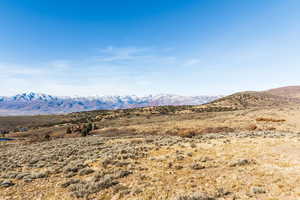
[[39, 103], [32, 96]]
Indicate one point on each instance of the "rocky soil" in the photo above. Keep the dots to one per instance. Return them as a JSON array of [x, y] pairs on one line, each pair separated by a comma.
[[245, 165]]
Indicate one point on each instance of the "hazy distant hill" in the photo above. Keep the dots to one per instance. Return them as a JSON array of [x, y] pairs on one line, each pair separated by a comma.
[[33, 103], [290, 91], [250, 99]]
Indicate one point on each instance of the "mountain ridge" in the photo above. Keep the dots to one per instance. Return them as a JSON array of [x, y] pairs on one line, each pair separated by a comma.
[[37, 103]]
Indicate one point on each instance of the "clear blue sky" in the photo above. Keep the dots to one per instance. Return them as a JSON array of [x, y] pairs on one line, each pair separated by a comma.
[[188, 47]]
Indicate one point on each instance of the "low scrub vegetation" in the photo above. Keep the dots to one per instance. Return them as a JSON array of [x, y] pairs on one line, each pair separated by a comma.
[[264, 119]]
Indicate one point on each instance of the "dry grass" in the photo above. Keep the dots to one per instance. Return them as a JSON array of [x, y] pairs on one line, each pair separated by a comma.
[[221, 168], [173, 168], [113, 132], [13, 122], [286, 119]]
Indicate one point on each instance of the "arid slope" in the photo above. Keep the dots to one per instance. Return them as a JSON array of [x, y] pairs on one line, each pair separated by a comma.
[[290, 91]]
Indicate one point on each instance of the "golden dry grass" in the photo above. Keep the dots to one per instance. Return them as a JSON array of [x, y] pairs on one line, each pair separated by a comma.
[[285, 119], [275, 168]]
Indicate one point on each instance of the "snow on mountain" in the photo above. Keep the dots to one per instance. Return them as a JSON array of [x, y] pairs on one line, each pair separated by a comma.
[[36, 103], [32, 97]]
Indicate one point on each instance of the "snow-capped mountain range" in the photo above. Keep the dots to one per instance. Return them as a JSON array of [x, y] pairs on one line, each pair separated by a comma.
[[35, 103]]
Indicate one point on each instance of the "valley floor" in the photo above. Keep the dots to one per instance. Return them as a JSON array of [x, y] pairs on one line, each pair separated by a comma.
[[261, 165]]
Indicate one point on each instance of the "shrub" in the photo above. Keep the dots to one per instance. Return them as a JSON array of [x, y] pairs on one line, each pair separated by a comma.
[[84, 131], [251, 127], [224, 129], [69, 130], [4, 132], [187, 133], [262, 119], [47, 137]]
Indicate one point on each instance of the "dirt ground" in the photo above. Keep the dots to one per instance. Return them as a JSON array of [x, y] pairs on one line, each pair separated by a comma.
[[244, 165]]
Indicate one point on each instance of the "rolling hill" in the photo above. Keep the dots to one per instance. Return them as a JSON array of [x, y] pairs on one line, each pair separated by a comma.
[[290, 92], [250, 99]]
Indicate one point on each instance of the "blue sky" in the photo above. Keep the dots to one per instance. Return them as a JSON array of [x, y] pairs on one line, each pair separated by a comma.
[[119, 47]]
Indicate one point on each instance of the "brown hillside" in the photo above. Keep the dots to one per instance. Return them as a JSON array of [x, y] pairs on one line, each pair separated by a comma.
[[290, 92], [244, 100]]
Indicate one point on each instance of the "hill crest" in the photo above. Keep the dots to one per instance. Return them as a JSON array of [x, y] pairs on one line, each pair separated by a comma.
[[289, 91]]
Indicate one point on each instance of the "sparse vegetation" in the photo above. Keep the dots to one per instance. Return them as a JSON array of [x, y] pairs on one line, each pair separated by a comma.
[[213, 151], [263, 119], [130, 167]]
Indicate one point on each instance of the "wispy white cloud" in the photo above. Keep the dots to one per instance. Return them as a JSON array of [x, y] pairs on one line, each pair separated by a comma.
[[117, 70], [142, 71], [125, 55], [11, 70], [60, 65], [193, 61], [110, 53]]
